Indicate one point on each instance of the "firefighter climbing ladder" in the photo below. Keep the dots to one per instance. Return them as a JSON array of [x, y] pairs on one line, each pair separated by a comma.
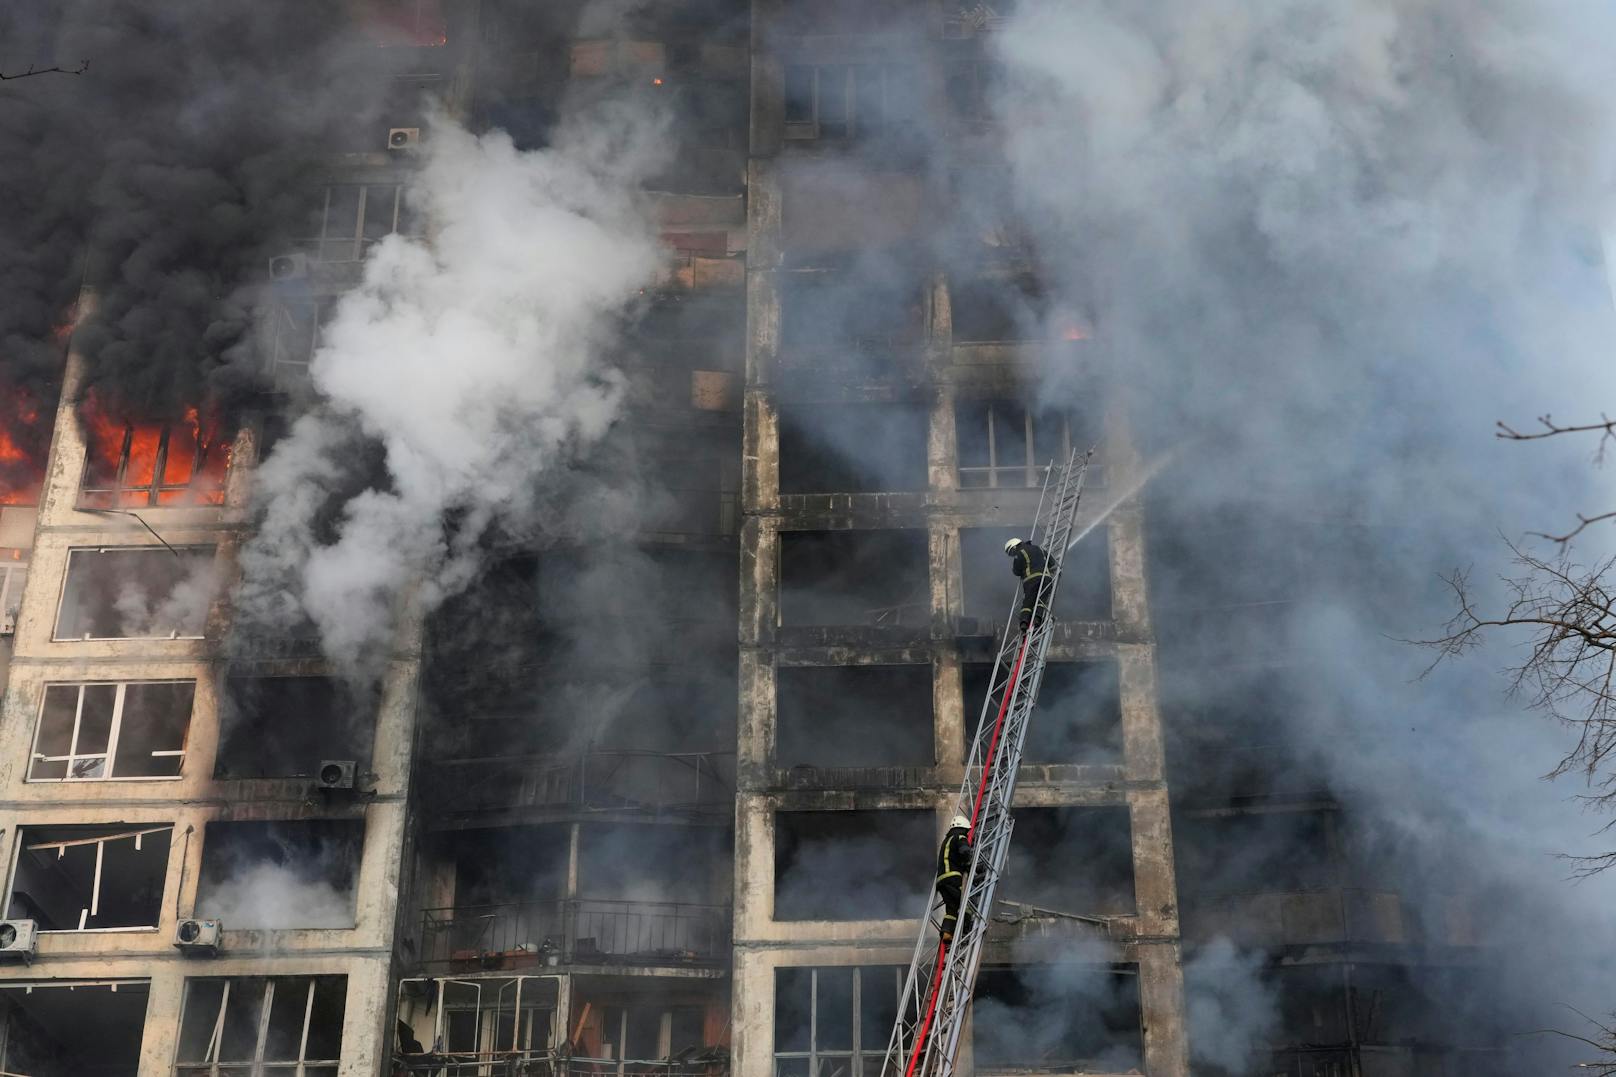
[[937, 991]]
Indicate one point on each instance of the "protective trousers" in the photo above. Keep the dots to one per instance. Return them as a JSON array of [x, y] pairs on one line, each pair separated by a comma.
[[1032, 609], [951, 891]]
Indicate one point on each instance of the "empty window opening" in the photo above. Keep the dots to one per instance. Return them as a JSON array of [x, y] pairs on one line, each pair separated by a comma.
[[854, 716], [1078, 720], [1227, 733], [352, 218], [866, 309], [283, 874], [993, 311], [1004, 443], [112, 730], [292, 337], [145, 592], [1272, 852], [261, 1026], [90, 878], [834, 1020], [68, 1029], [815, 853], [1058, 1018], [486, 1017], [991, 589], [1076, 860], [972, 86], [26, 422], [851, 17], [284, 727], [852, 448], [874, 578], [140, 464]]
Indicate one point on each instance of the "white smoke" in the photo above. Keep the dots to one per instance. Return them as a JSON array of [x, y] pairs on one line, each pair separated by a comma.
[[477, 360], [267, 896]]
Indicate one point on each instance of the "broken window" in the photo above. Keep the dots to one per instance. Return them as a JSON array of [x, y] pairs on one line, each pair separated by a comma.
[[1224, 855], [991, 589], [354, 217], [1003, 443], [854, 716], [54, 1028], [852, 448], [485, 1016], [1058, 1018], [1079, 716], [849, 101], [990, 311], [874, 578], [89, 878], [141, 464], [509, 883], [1074, 860], [834, 1020], [867, 310], [261, 1026], [283, 727], [972, 87], [650, 894], [405, 23], [112, 730], [814, 855], [294, 334], [137, 592], [13, 575], [282, 874]]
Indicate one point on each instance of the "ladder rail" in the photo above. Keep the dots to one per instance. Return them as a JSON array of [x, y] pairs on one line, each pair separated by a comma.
[[929, 1022]]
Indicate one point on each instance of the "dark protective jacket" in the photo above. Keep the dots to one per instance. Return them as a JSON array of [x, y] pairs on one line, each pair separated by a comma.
[[1029, 562], [954, 857]]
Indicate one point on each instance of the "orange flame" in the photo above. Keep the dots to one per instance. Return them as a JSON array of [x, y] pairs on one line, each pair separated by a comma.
[[23, 444], [124, 456]]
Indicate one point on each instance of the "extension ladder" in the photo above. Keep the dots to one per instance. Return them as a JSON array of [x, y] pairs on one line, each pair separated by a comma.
[[937, 991]]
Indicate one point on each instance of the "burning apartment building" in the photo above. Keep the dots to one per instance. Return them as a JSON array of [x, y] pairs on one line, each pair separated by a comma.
[[522, 604]]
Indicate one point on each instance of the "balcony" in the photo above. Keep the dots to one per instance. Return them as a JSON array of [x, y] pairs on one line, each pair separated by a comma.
[[627, 781], [576, 931]]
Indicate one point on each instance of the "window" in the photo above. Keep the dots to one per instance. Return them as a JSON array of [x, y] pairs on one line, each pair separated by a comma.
[[139, 592], [814, 849], [834, 1020], [283, 727], [847, 101], [255, 1027], [84, 1028], [13, 574], [282, 874], [89, 878], [854, 716], [107, 730], [852, 448], [355, 216], [1002, 443], [294, 334], [139, 465], [866, 577], [1058, 1018]]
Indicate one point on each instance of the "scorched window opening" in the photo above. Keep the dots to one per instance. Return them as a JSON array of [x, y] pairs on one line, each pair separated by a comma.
[[114, 730], [259, 1027], [91, 878], [835, 1018]]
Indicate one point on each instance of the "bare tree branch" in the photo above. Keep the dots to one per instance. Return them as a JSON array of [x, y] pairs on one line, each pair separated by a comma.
[[1605, 1044], [1582, 522], [84, 65], [1568, 669]]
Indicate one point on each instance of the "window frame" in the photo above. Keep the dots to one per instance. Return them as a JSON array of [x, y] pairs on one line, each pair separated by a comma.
[[134, 832], [358, 245], [258, 1065], [860, 1051], [157, 493], [110, 755], [853, 125], [1032, 472], [61, 598], [13, 579], [287, 360]]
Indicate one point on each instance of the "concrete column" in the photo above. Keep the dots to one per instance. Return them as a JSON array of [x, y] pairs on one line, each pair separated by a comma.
[[1161, 1002]]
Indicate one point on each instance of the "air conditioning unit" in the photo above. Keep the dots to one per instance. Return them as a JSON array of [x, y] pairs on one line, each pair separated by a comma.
[[404, 138], [285, 267], [8, 622], [336, 774], [198, 938], [18, 939]]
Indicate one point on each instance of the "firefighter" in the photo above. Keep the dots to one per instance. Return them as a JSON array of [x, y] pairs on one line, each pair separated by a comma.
[[953, 859], [1030, 564]]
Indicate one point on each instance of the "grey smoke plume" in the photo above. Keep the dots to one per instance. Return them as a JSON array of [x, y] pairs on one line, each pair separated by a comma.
[[1327, 246], [476, 360]]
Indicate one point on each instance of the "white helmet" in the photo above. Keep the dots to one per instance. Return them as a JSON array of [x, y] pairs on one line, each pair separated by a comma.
[[1010, 547], [959, 822]]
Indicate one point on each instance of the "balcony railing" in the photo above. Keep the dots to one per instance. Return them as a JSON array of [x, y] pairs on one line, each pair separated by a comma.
[[638, 782], [710, 1063], [576, 931]]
